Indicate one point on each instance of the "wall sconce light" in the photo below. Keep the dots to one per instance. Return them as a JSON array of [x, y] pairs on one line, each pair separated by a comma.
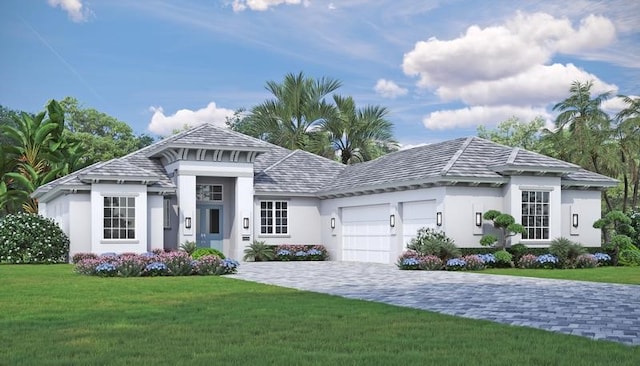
[[187, 222], [333, 222], [439, 218], [392, 220], [478, 219], [574, 220], [245, 222]]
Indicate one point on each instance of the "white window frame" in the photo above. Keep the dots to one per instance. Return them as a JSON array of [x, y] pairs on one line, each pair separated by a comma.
[[202, 196], [129, 218], [274, 217], [533, 216]]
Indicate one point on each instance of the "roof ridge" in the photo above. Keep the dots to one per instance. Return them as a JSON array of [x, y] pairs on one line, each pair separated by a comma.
[[456, 156], [513, 155], [278, 162]]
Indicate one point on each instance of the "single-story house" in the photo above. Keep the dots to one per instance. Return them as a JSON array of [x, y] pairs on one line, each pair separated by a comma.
[[222, 189]]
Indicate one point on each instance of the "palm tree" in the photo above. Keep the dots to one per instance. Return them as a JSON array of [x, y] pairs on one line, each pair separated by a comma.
[[358, 134], [588, 128], [291, 119], [628, 136]]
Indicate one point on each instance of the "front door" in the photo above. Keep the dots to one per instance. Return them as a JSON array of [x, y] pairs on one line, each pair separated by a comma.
[[209, 231]]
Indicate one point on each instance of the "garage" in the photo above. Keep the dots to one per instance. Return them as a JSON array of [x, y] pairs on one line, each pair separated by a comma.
[[365, 234], [416, 215]]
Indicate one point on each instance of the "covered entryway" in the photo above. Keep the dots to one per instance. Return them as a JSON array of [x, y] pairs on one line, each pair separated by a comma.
[[416, 215], [365, 234]]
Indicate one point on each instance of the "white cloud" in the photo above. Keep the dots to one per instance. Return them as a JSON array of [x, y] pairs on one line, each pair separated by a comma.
[[162, 124], [480, 115], [503, 70], [538, 85], [262, 5], [389, 89], [615, 104], [505, 50], [74, 8]]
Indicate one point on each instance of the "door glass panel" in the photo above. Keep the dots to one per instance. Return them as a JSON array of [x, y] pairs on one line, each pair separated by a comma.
[[214, 221]]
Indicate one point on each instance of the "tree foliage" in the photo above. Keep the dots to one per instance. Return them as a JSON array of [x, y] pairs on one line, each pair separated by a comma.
[[101, 137], [516, 133], [302, 115]]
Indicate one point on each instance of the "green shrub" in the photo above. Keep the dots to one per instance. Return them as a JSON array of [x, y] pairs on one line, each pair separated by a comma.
[[30, 238], [566, 251], [201, 252], [189, 246], [517, 250], [504, 259], [432, 242], [259, 251]]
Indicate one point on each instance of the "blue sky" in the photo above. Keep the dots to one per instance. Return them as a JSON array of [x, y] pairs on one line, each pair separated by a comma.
[[441, 67]]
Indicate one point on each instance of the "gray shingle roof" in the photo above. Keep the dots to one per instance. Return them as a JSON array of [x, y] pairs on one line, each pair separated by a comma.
[[297, 172], [279, 170]]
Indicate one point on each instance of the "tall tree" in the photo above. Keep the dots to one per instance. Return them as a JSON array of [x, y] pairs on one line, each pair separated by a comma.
[[102, 137], [358, 134], [515, 133], [589, 128], [292, 118], [627, 133]]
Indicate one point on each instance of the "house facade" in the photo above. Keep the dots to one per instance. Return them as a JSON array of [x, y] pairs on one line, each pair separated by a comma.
[[223, 190]]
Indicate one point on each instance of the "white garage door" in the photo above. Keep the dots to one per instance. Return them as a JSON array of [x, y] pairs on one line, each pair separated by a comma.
[[365, 234], [416, 215]]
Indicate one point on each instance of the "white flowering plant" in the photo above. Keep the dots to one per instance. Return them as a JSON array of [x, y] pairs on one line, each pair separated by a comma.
[[30, 238]]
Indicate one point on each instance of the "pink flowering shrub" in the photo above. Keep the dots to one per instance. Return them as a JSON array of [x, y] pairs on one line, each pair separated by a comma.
[[289, 252], [473, 262], [528, 261], [80, 256], [430, 263], [177, 263]]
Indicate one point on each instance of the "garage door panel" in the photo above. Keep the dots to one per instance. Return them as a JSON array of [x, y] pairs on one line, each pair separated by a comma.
[[416, 215], [365, 232]]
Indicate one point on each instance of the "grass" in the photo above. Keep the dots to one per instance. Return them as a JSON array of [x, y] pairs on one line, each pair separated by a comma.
[[625, 275], [51, 316]]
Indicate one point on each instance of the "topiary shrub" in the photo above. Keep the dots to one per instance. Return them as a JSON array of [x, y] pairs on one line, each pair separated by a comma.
[[201, 252], [566, 251], [432, 242], [504, 259], [30, 238]]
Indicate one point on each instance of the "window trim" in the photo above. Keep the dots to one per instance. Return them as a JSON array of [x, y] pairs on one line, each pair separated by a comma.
[[535, 203], [110, 196], [166, 209], [201, 199], [274, 219]]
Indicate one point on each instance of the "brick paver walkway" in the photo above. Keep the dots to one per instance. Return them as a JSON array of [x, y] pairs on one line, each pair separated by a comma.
[[593, 310]]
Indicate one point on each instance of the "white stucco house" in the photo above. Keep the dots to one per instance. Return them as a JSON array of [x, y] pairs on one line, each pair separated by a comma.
[[223, 189]]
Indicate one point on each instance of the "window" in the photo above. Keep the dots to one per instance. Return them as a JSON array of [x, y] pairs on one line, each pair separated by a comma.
[[273, 217], [119, 217], [535, 215], [167, 213], [209, 192]]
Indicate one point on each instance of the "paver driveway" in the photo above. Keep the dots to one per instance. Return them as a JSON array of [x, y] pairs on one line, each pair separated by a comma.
[[594, 310]]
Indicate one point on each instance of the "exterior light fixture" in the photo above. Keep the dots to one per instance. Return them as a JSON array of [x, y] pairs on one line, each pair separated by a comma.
[[392, 220], [333, 222], [439, 218], [187, 222], [478, 219], [245, 222], [574, 220]]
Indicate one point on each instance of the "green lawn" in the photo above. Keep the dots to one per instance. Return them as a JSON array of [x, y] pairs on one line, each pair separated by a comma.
[[627, 275], [51, 316]]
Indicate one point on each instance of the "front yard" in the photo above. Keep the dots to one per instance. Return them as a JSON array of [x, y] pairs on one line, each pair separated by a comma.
[[51, 316], [625, 275]]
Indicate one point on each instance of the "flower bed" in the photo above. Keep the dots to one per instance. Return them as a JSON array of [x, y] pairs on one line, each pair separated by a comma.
[[300, 253], [174, 263], [412, 260]]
